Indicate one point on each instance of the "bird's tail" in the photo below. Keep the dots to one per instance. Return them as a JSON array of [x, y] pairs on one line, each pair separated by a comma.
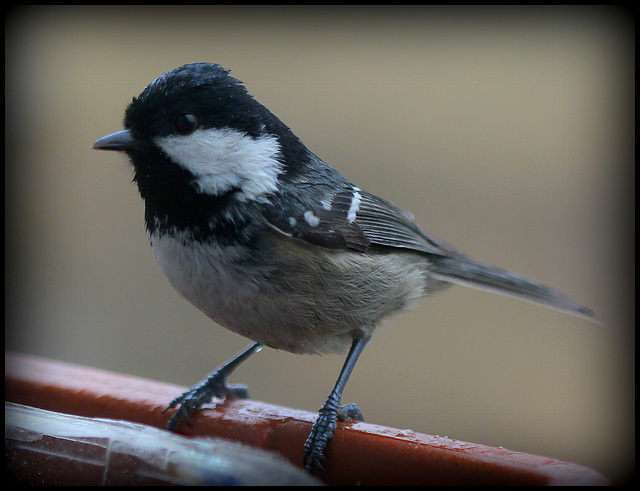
[[468, 272]]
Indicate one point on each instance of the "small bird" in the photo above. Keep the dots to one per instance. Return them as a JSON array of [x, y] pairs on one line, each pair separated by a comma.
[[269, 241]]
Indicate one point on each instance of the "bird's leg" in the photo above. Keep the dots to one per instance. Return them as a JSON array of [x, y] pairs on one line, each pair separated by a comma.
[[330, 412], [213, 385]]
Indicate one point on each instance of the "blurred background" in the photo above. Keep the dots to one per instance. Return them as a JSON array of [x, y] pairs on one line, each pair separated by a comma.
[[508, 132]]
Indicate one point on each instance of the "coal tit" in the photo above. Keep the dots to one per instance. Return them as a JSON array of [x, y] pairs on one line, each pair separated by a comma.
[[270, 242]]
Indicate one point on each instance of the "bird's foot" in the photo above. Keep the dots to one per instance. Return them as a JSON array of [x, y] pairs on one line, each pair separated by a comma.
[[201, 394], [323, 429]]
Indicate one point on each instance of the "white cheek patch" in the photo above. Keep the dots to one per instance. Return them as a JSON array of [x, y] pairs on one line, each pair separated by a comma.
[[223, 159]]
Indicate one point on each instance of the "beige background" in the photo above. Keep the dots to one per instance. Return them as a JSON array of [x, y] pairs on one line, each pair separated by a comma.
[[506, 132]]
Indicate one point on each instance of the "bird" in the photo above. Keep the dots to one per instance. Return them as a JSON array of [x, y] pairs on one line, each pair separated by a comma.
[[270, 242]]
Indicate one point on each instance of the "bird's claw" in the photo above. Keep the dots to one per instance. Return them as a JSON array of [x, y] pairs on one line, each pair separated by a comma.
[[322, 431], [201, 394]]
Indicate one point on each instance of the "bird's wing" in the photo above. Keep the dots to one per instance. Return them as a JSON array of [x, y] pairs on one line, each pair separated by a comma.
[[351, 219]]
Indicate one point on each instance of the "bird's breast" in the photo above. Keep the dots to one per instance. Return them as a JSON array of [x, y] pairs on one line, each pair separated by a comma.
[[288, 295]]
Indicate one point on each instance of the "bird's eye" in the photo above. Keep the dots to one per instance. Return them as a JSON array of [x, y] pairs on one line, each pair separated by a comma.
[[186, 123]]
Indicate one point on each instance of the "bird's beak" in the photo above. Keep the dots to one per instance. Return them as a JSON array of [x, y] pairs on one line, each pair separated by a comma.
[[120, 141]]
